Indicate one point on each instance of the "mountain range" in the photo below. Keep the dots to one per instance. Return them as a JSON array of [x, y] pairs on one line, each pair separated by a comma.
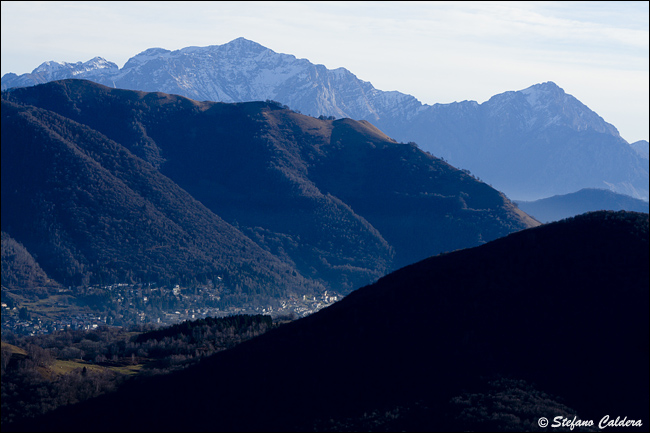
[[103, 185], [530, 144], [490, 338]]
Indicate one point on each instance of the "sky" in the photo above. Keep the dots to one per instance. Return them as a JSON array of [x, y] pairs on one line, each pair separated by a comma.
[[439, 52]]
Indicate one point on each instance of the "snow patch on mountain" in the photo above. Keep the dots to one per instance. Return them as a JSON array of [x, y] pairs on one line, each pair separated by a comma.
[[146, 56]]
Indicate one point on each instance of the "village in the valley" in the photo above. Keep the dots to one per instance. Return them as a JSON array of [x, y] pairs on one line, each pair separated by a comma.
[[127, 305]]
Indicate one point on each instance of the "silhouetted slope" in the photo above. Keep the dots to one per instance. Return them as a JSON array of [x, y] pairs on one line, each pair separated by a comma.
[[337, 200], [93, 212], [563, 306]]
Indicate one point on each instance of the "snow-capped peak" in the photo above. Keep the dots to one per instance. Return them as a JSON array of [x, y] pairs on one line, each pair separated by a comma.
[[100, 63], [53, 70], [49, 66], [541, 94], [245, 43]]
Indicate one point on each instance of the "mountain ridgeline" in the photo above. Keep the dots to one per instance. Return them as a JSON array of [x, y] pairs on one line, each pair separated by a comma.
[[104, 185], [586, 200], [530, 144], [489, 338]]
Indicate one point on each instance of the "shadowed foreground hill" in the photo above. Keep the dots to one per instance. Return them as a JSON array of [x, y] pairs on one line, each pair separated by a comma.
[[558, 314]]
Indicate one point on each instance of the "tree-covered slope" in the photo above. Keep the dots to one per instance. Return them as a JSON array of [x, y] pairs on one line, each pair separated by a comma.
[[92, 212], [335, 199]]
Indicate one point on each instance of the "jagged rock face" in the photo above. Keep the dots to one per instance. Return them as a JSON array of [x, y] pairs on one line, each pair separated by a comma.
[[530, 144], [239, 71]]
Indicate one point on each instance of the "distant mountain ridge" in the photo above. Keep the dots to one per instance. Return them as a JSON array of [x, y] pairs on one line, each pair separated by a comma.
[[530, 144], [534, 143], [586, 200], [93, 175]]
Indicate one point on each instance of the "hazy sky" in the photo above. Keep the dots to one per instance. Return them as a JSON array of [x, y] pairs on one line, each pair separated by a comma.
[[439, 52]]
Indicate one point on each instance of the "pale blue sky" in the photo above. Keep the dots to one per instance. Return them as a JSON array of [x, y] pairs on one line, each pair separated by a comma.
[[439, 52]]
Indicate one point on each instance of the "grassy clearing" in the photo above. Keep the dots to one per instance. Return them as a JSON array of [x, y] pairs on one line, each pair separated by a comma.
[[13, 349], [52, 306], [127, 369], [61, 367]]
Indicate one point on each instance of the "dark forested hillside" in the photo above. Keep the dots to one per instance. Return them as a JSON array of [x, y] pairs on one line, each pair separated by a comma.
[[92, 212], [550, 321], [107, 184], [21, 273]]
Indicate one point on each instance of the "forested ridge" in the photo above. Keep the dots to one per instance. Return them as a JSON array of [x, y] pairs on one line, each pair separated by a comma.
[[106, 186], [88, 223]]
